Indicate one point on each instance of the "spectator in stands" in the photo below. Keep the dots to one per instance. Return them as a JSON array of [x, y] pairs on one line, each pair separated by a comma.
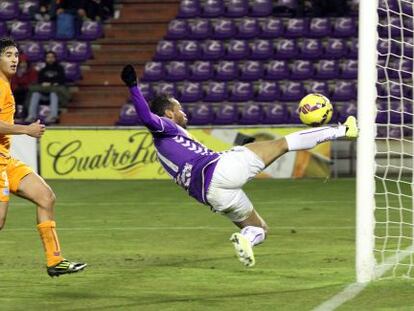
[[45, 12], [72, 7], [324, 8], [25, 76], [50, 86], [99, 10]]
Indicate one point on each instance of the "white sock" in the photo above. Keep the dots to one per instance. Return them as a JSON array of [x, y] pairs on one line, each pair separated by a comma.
[[255, 235], [308, 139]]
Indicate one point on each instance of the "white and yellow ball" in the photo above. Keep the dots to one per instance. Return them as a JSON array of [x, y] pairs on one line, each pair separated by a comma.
[[315, 110]]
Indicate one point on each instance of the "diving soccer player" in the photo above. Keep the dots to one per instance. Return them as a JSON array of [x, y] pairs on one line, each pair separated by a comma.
[[17, 177], [216, 179]]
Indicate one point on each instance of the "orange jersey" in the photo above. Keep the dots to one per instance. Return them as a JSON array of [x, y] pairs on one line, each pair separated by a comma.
[[7, 108]]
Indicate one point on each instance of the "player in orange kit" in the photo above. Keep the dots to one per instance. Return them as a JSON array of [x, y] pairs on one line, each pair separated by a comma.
[[17, 177]]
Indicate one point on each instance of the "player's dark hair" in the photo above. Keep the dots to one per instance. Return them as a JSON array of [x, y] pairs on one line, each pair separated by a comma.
[[6, 42], [161, 103]]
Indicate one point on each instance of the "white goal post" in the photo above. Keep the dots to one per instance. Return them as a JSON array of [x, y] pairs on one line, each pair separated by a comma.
[[385, 148]]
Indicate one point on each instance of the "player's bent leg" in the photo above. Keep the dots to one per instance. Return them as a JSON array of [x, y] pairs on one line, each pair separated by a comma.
[[33, 187], [3, 213]]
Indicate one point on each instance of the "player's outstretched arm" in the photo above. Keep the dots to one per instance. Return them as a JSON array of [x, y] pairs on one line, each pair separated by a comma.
[[150, 120], [36, 129]]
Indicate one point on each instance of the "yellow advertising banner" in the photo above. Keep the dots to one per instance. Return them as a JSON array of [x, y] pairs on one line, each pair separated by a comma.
[[130, 154]]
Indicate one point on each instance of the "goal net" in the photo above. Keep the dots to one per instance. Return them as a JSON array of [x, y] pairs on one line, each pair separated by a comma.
[[394, 148]]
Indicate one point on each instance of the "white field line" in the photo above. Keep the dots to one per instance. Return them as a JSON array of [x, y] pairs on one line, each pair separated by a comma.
[[178, 228], [354, 289], [134, 203]]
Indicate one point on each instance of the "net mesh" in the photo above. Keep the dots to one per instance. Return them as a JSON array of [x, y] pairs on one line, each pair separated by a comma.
[[394, 211]]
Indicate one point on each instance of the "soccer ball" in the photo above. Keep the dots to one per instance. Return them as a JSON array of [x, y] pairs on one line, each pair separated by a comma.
[[315, 110]]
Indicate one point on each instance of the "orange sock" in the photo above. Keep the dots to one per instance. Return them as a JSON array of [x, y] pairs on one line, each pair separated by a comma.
[[47, 231]]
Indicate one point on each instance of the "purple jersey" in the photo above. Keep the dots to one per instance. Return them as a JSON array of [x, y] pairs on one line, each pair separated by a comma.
[[188, 162]]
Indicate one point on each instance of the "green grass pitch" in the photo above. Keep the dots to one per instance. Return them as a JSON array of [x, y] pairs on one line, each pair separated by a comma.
[[150, 247]]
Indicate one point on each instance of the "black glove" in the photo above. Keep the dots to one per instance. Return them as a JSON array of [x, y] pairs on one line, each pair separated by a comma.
[[129, 76]]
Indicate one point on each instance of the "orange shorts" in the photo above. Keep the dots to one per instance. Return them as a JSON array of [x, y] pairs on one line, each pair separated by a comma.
[[12, 172]]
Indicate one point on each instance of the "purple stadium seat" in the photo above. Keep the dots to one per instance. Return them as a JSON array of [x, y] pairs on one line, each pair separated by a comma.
[[21, 30], [408, 46], [226, 113], [241, 91], [277, 70], [335, 48], [44, 30], [275, 113], [212, 49], [349, 69], [237, 49], [247, 28], [188, 50], [201, 114], [213, 8], [292, 90], [344, 27], [57, 47], [267, 91], [177, 29], [271, 27], [146, 90], [189, 9], [301, 70], [261, 49], [128, 115], [175, 71], [261, 8], [311, 49], [166, 50], [79, 51], [293, 113], [200, 28], [406, 68], [201, 71], [297, 27], [320, 27], [9, 9], [237, 8], [251, 113], [215, 91], [317, 87], [286, 49], [392, 23], [251, 70], [72, 71], [164, 88], [191, 92], [153, 71], [344, 90], [344, 110], [226, 70], [407, 8], [353, 48], [33, 50], [91, 30], [26, 7], [380, 68], [223, 29], [327, 69], [3, 29], [383, 47]]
